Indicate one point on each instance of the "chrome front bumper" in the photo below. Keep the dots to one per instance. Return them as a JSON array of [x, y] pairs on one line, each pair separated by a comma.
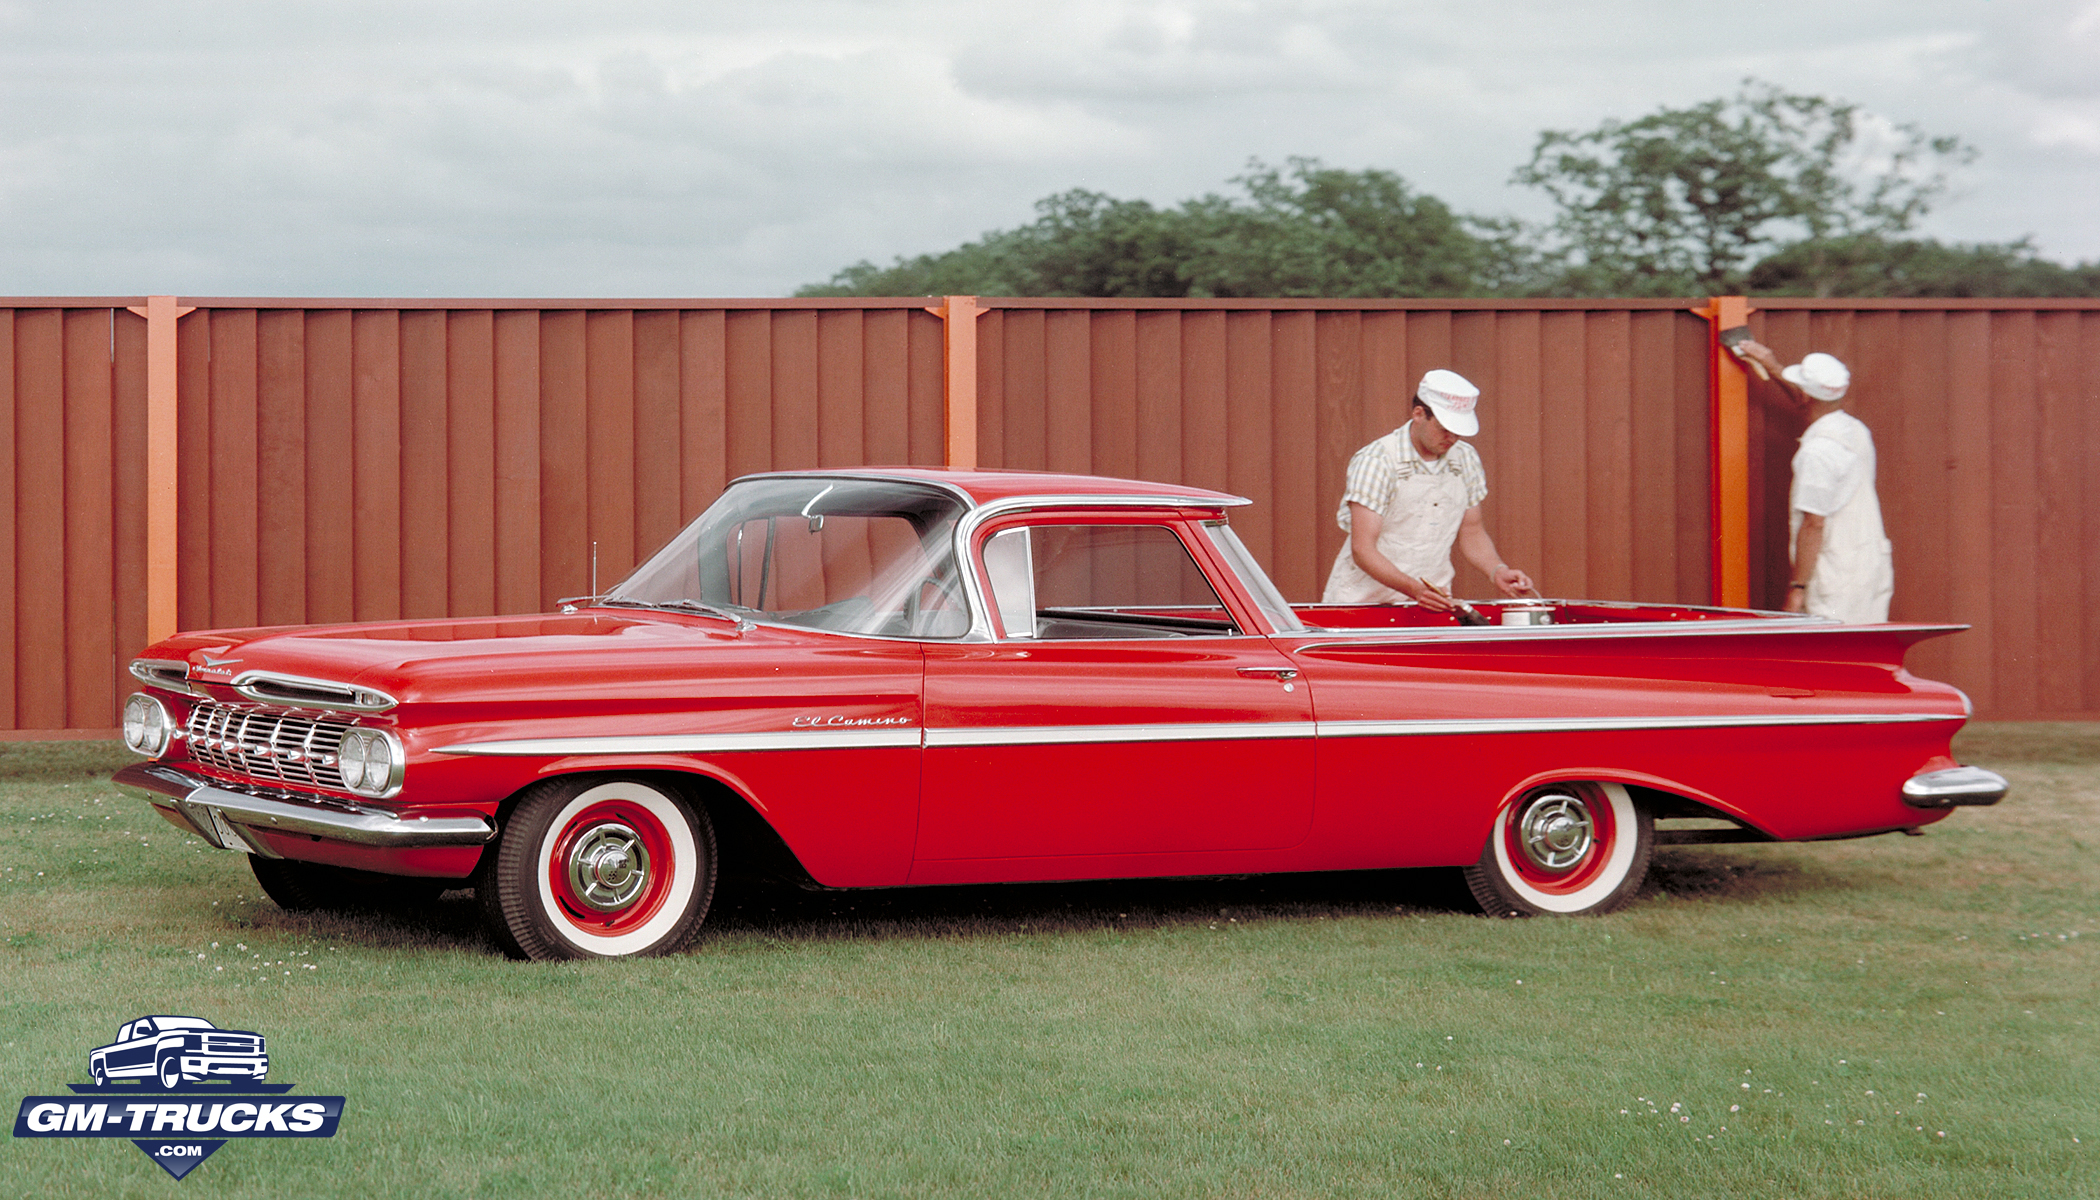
[[1954, 786], [227, 819]]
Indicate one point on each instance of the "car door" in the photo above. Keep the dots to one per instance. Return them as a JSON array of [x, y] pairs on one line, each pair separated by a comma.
[[1122, 722]]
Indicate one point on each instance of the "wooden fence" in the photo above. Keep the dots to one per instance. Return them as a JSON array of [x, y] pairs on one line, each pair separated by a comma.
[[353, 460]]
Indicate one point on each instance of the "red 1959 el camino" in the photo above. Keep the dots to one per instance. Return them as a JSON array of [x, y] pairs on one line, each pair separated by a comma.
[[874, 678]]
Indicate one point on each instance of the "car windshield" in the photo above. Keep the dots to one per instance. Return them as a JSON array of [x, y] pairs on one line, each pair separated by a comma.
[[863, 556]]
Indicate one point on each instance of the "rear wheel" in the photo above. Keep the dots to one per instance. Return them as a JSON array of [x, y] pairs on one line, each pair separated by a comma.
[[1566, 848], [594, 867]]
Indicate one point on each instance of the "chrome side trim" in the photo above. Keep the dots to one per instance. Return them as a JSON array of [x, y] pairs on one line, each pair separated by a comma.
[[1374, 639], [822, 738], [1608, 724], [299, 691], [1953, 786], [1057, 735], [168, 673], [200, 802]]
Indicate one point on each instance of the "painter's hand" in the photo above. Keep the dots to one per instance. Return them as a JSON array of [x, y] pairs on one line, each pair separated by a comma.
[[1512, 581], [1429, 596]]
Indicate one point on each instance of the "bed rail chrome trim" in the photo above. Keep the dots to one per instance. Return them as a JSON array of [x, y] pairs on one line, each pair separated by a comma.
[[1611, 724], [204, 805]]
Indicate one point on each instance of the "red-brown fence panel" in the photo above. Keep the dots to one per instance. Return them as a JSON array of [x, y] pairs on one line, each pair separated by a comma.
[[353, 460], [1593, 419]]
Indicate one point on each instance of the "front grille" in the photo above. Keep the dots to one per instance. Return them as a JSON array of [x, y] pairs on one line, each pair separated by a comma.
[[219, 1043], [270, 745]]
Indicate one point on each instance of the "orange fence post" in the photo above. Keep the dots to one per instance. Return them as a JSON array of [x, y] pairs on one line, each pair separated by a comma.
[[1729, 441], [161, 313], [959, 389]]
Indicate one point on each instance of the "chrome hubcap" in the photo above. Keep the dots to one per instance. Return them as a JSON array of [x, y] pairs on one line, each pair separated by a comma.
[[1556, 831], [608, 868]]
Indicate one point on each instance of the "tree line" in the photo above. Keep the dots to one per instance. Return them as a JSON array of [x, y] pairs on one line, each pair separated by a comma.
[[1761, 193]]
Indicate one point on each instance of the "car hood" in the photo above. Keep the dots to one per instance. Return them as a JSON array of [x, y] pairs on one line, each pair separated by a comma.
[[414, 660]]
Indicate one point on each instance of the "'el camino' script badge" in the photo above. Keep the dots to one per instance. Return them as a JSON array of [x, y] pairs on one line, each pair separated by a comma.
[[841, 721]]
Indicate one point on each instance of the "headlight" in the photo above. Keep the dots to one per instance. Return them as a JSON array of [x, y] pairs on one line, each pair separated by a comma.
[[147, 726], [370, 761]]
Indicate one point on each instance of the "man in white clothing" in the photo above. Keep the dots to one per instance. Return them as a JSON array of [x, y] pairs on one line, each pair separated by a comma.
[[1411, 494], [1843, 567]]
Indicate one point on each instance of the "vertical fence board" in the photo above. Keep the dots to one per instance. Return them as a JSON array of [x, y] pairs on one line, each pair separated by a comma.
[[470, 491], [1515, 507], [565, 537], [281, 470], [1301, 564], [234, 475], [516, 368], [886, 393], [703, 410], [796, 399], [375, 351], [1693, 464], [2089, 490], [1336, 422], [86, 521], [750, 387], [1250, 417], [1651, 458], [1114, 394], [2059, 512], [1971, 489], [1913, 474], [1068, 413], [2016, 533], [841, 395], [1203, 401], [658, 512], [331, 481], [1565, 521], [925, 410], [1156, 396], [40, 582], [609, 442], [1019, 418]]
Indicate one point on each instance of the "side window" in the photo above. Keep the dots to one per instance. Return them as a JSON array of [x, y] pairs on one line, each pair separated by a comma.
[[1100, 581]]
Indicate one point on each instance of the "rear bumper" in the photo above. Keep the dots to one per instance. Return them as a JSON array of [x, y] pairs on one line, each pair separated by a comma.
[[230, 820], [1954, 786]]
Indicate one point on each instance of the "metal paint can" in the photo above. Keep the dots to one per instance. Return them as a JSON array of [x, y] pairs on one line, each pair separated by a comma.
[[1527, 614]]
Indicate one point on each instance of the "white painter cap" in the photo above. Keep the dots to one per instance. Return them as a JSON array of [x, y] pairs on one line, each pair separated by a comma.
[[1451, 398], [1819, 375]]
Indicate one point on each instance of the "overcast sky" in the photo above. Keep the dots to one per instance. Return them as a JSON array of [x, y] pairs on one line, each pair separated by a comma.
[[716, 149]]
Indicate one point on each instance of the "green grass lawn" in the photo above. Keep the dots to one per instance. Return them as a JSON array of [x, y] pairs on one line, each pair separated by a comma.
[[1899, 1017]]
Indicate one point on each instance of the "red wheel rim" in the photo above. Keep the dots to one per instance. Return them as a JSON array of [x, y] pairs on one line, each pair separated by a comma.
[[612, 867], [1546, 821]]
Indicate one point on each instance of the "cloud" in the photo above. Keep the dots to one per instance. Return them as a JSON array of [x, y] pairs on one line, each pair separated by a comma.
[[675, 148]]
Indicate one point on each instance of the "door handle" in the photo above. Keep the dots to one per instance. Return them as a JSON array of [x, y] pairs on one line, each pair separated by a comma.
[[1281, 674]]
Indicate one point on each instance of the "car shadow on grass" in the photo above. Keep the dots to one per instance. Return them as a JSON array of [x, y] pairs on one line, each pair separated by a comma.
[[783, 912]]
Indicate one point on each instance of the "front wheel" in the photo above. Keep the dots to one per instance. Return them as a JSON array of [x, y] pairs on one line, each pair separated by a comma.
[[594, 867], [171, 1072], [1566, 848]]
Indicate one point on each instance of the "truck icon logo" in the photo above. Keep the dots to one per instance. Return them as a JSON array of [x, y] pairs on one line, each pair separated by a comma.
[[179, 1088], [179, 1050]]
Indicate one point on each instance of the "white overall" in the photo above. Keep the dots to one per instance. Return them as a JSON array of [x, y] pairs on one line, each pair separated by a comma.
[[1421, 523], [1855, 574]]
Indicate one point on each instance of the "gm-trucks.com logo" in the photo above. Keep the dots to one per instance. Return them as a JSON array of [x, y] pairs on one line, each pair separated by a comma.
[[179, 1088]]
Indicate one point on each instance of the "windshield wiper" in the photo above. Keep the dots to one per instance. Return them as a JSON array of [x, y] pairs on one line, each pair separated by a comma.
[[682, 605]]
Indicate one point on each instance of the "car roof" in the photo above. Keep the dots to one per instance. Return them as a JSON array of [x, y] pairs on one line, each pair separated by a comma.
[[178, 1022], [991, 487]]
